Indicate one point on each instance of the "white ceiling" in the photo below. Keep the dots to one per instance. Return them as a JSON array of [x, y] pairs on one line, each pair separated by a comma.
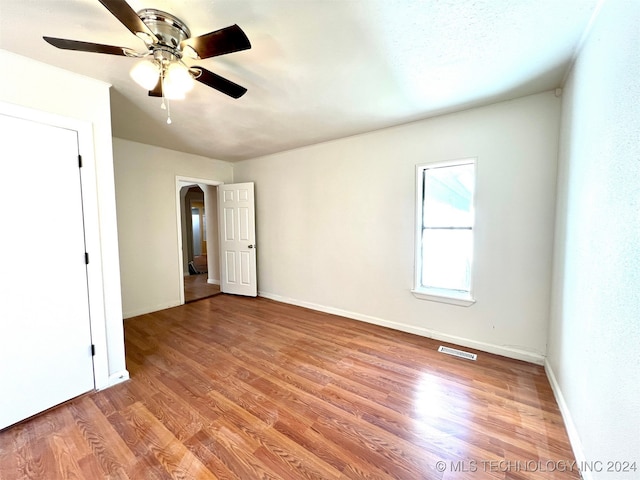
[[318, 69]]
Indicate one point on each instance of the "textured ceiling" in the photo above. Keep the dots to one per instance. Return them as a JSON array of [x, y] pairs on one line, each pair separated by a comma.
[[318, 69]]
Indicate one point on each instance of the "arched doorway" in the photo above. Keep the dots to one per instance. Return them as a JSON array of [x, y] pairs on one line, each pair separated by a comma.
[[198, 242]]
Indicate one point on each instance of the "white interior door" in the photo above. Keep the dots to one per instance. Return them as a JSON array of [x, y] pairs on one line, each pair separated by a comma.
[[45, 337], [237, 227]]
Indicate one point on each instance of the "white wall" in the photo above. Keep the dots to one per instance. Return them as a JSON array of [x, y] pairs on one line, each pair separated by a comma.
[[147, 220], [35, 85], [335, 224], [594, 334]]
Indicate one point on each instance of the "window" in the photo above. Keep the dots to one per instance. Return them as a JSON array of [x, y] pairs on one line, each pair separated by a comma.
[[444, 231]]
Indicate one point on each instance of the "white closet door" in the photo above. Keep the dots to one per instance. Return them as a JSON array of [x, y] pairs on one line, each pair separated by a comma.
[[45, 337]]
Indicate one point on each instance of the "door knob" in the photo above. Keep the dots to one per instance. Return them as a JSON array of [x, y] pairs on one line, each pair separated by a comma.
[[252, 246]]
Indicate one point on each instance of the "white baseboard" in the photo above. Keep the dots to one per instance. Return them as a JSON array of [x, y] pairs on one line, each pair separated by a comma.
[[572, 431], [116, 378], [155, 308], [213, 281], [424, 332]]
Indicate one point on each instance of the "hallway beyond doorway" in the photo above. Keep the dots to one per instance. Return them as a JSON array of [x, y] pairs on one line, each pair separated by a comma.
[[197, 288]]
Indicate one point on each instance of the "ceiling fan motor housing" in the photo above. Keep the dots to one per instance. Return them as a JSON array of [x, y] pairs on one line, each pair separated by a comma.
[[169, 29]]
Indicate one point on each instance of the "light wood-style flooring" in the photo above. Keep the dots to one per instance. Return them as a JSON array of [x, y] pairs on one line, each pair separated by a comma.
[[248, 388]]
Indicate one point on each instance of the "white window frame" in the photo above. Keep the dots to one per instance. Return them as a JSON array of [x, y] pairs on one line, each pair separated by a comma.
[[454, 297]]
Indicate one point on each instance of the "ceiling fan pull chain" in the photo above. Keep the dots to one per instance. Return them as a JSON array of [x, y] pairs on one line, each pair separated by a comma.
[[165, 100], [163, 106]]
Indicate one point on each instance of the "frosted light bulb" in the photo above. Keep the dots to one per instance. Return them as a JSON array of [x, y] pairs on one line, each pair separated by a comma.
[[146, 74], [177, 81]]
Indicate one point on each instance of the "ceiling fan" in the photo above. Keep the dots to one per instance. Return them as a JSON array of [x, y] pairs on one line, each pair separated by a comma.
[[167, 40]]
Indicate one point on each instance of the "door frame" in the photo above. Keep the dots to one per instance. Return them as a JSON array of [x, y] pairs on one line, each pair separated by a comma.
[[182, 181], [90, 207]]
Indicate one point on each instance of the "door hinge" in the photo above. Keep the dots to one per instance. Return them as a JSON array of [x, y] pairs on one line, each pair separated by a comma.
[[93, 350], [79, 161], [86, 258]]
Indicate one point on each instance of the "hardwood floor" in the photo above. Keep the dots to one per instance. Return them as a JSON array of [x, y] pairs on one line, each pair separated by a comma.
[[197, 288], [247, 388]]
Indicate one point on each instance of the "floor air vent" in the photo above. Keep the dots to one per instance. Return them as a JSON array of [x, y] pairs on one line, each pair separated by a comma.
[[457, 353]]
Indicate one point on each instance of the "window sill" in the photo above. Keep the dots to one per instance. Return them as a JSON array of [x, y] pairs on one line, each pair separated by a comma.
[[453, 297]]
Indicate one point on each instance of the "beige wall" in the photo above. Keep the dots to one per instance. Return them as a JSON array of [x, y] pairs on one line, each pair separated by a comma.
[[594, 333], [146, 195], [335, 224]]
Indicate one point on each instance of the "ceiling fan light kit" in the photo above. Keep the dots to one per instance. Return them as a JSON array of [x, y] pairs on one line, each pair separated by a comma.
[[145, 74], [177, 80], [162, 70]]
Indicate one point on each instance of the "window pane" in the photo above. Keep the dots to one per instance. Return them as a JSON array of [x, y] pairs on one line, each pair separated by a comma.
[[448, 196], [446, 261]]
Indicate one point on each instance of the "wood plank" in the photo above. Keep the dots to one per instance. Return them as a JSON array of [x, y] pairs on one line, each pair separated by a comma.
[[239, 388], [103, 441], [172, 454]]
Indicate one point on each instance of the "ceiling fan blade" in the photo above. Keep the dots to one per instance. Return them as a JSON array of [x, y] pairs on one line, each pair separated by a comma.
[[157, 90], [129, 18], [86, 46], [226, 40], [220, 83]]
